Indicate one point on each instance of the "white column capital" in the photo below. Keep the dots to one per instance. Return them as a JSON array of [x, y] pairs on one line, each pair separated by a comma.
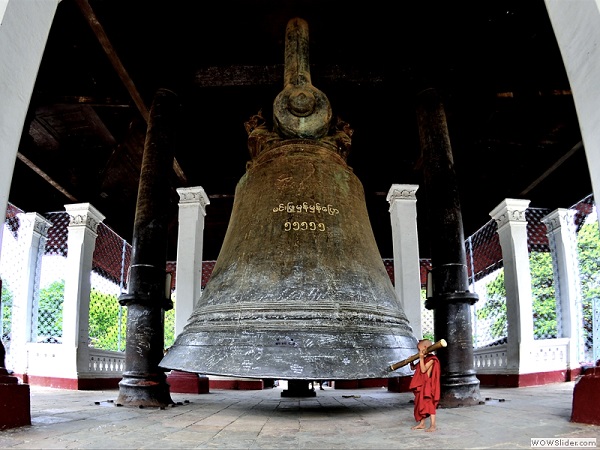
[[84, 215], [510, 210], [193, 196], [402, 192], [39, 224], [558, 218]]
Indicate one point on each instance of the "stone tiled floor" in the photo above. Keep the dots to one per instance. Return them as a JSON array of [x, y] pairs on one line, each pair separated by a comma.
[[371, 418]]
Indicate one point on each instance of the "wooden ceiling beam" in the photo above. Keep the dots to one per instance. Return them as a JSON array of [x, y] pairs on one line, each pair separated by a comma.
[[46, 177], [98, 29], [113, 57], [268, 75]]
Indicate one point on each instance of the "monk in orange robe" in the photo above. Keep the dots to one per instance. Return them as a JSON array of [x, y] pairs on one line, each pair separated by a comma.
[[425, 384]]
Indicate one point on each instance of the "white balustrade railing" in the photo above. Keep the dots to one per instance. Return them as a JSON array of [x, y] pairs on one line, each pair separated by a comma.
[[550, 354], [106, 362], [490, 360], [545, 355], [58, 361]]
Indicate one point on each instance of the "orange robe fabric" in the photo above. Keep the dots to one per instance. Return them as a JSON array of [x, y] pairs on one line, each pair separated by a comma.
[[426, 389]]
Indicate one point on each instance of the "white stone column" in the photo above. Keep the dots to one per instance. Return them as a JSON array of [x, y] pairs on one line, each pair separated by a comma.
[[81, 242], [33, 231], [188, 281], [512, 231], [563, 239], [407, 271], [24, 29]]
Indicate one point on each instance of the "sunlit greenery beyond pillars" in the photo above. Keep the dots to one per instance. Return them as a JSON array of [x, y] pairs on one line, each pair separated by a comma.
[[105, 322], [544, 300], [104, 317]]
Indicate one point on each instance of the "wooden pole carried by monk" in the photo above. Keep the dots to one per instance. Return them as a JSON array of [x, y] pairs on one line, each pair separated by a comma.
[[433, 347]]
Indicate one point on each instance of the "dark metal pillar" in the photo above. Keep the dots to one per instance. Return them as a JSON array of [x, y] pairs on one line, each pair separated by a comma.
[[144, 383], [450, 297]]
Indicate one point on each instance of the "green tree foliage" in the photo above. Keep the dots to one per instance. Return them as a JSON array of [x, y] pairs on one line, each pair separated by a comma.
[[6, 308], [105, 323], [544, 298], [50, 303], [588, 245], [169, 328], [494, 309], [544, 301], [107, 317], [543, 292]]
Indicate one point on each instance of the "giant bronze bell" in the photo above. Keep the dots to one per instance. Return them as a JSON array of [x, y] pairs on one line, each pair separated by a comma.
[[299, 290]]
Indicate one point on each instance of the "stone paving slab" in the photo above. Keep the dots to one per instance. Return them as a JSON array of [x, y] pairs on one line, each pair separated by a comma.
[[368, 418]]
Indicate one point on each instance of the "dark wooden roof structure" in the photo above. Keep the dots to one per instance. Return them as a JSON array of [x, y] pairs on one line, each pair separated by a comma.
[[512, 122]]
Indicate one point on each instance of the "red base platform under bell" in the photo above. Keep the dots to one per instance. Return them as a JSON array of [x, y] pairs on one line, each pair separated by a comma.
[[187, 382]]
